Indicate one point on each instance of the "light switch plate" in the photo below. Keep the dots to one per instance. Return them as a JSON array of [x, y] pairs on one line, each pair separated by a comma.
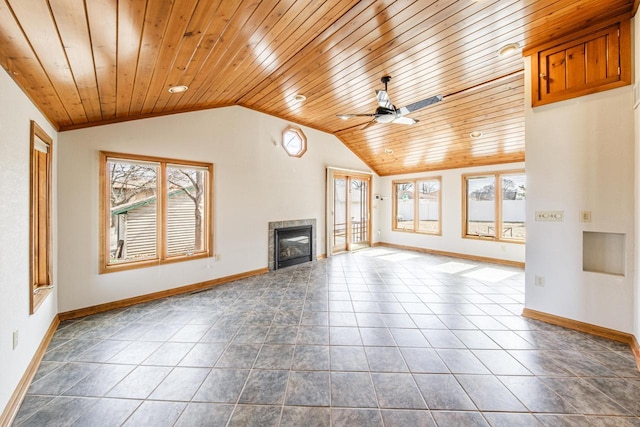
[[552, 216]]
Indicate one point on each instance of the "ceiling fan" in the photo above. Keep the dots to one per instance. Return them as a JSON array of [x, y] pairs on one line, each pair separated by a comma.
[[388, 113]]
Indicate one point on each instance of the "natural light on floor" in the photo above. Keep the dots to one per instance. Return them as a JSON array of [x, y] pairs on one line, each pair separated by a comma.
[[453, 267], [489, 274], [389, 255], [398, 256], [377, 252], [486, 274]]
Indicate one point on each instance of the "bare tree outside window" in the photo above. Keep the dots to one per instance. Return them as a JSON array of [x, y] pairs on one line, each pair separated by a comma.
[[131, 181], [133, 192], [156, 209], [184, 221]]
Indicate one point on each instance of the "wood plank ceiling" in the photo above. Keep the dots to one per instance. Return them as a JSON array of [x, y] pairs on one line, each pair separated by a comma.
[[92, 62]]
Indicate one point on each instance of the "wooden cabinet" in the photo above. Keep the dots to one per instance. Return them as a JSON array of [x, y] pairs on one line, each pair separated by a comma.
[[595, 60]]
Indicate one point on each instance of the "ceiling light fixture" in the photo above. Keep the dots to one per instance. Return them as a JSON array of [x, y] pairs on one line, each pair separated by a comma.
[[178, 89], [388, 151], [509, 49], [475, 134], [344, 116], [300, 98]]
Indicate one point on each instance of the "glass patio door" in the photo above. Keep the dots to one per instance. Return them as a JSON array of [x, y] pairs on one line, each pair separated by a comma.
[[350, 219], [359, 218], [340, 214]]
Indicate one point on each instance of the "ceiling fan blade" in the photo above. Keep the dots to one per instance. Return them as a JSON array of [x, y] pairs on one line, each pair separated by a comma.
[[419, 105], [383, 99], [348, 116], [371, 123], [404, 120]]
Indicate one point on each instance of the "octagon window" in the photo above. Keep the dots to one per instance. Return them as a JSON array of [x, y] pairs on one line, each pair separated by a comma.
[[294, 142]]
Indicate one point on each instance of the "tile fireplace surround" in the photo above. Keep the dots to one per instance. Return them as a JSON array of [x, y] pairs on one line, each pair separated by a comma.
[[292, 223]]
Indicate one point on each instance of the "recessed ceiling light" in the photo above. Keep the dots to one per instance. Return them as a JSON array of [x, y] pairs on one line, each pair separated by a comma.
[[509, 49], [300, 98], [388, 151], [178, 89], [475, 134], [344, 116]]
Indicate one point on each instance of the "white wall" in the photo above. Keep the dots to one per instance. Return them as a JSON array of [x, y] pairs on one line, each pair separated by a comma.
[[451, 239], [16, 112], [580, 156], [255, 182]]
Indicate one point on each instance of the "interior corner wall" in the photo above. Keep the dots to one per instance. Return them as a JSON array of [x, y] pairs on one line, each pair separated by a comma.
[[255, 182], [16, 113], [636, 121], [451, 239], [580, 157]]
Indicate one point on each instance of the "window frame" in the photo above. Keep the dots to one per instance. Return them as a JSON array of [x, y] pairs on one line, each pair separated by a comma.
[[301, 136], [498, 203], [38, 292], [161, 212], [416, 206]]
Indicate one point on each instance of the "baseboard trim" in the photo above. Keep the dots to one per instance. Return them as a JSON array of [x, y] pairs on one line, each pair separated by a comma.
[[87, 311], [635, 348], [588, 328], [453, 254], [11, 410]]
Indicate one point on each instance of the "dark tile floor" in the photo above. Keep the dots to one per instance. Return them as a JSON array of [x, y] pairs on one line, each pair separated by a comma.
[[377, 337]]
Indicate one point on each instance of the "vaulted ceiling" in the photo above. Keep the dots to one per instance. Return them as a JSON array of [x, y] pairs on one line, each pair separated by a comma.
[[92, 62]]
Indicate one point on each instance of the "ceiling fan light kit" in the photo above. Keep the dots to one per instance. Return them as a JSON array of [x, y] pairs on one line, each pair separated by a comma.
[[388, 113]]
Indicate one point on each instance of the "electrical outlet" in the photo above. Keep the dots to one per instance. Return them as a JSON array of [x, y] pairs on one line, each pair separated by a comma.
[[539, 281], [217, 257], [15, 339]]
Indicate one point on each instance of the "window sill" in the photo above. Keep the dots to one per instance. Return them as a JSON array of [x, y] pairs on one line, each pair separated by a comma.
[[112, 268], [38, 298], [400, 230], [493, 239]]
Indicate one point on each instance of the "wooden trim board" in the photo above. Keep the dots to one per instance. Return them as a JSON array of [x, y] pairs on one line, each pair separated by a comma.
[[635, 348], [11, 410], [81, 312], [588, 328], [576, 325], [453, 254]]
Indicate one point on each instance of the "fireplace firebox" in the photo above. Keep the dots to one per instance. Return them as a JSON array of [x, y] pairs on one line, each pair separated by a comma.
[[293, 245]]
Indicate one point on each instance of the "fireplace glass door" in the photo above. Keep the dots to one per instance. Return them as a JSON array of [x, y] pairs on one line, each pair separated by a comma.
[[351, 204]]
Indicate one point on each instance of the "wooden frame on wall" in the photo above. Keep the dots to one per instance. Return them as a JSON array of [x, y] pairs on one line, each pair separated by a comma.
[[416, 206], [41, 233], [498, 199], [161, 257], [336, 173]]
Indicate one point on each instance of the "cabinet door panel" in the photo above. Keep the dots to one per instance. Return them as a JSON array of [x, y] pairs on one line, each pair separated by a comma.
[[596, 64], [575, 67], [590, 62]]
